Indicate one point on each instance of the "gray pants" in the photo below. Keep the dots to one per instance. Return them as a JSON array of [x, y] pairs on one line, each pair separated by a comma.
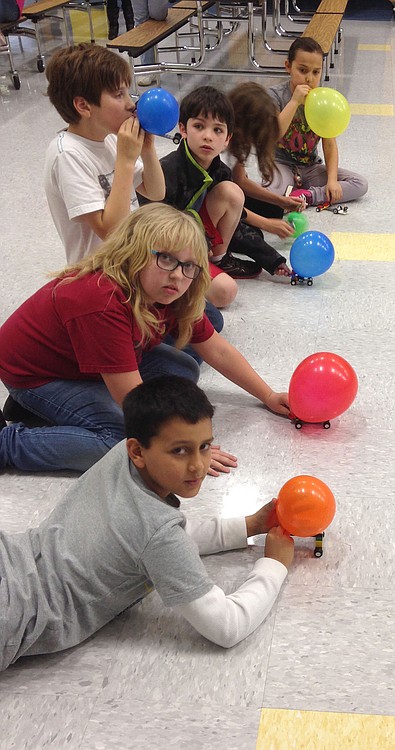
[[314, 178], [143, 10]]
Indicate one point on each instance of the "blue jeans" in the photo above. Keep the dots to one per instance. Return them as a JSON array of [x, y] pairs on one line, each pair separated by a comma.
[[143, 10], [86, 420]]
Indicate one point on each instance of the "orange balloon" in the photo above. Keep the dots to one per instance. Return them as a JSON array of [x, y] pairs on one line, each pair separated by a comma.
[[305, 506]]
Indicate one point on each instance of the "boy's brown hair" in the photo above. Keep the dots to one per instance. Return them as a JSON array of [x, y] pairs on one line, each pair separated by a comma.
[[83, 70], [306, 44]]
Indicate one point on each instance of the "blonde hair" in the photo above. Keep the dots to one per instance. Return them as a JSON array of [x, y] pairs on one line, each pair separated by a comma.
[[127, 250]]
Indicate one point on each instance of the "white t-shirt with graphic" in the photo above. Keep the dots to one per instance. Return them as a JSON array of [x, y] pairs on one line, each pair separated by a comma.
[[78, 176]]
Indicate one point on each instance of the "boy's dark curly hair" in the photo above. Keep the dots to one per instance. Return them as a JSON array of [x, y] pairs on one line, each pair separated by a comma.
[[207, 101]]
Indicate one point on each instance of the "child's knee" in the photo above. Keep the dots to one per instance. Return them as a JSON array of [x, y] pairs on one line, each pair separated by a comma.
[[223, 290], [230, 193], [363, 186]]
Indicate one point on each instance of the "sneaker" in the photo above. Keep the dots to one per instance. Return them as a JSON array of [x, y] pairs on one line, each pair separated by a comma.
[[14, 412], [146, 80], [300, 193], [239, 269]]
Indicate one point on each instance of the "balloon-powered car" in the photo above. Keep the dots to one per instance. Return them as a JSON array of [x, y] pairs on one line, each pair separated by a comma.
[[323, 386], [305, 507]]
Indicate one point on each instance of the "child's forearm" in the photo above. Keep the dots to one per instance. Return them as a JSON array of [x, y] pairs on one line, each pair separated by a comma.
[[227, 620], [253, 190], [217, 534], [255, 220], [221, 355], [153, 185], [117, 206], [331, 156]]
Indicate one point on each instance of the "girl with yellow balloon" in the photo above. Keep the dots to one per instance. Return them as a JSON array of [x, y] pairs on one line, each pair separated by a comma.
[[307, 113]]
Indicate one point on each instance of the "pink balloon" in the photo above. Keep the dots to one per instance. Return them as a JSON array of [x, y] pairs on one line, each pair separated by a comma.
[[323, 386]]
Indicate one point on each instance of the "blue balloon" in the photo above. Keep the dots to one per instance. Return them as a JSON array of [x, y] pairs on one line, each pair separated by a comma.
[[311, 254], [158, 111]]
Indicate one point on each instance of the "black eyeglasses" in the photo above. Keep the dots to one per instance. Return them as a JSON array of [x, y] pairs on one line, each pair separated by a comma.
[[169, 263]]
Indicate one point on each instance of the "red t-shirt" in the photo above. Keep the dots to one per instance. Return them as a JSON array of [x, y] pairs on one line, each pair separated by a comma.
[[77, 330]]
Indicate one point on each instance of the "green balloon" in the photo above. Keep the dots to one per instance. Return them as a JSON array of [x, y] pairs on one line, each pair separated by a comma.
[[299, 222]]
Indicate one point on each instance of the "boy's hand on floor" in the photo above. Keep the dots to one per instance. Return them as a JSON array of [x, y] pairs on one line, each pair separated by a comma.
[[221, 462], [280, 546]]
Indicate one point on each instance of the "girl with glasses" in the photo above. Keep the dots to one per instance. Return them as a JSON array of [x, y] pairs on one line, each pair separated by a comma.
[[73, 350]]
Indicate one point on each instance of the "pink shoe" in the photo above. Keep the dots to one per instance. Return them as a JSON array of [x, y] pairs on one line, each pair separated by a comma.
[[300, 193]]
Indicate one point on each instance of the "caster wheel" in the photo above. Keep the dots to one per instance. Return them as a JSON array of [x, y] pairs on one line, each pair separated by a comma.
[[293, 282], [318, 210], [177, 139], [298, 424], [16, 81], [318, 553], [335, 211], [40, 66], [326, 425], [309, 282]]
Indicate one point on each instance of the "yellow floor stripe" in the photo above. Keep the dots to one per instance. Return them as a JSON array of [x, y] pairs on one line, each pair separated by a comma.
[[375, 47], [358, 246], [314, 730], [385, 110]]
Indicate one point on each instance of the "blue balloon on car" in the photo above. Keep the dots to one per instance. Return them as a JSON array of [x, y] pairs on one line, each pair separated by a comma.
[[312, 253], [158, 111]]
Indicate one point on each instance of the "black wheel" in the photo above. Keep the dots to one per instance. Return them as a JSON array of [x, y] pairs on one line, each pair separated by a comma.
[[309, 282], [40, 65], [177, 139], [293, 281], [335, 210], [326, 425], [318, 552], [16, 81], [298, 424], [317, 209]]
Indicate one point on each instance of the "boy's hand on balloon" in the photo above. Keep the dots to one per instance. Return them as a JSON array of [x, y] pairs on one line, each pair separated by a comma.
[[280, 546], [300, 93], [130, 139], [278, 402], [148, 143], [263, 520], [221, 462]]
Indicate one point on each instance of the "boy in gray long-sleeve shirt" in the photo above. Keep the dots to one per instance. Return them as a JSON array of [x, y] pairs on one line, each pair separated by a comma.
[[119, 533]]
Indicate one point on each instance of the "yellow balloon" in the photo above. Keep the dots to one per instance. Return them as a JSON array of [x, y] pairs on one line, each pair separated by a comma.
[[327, 112]]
